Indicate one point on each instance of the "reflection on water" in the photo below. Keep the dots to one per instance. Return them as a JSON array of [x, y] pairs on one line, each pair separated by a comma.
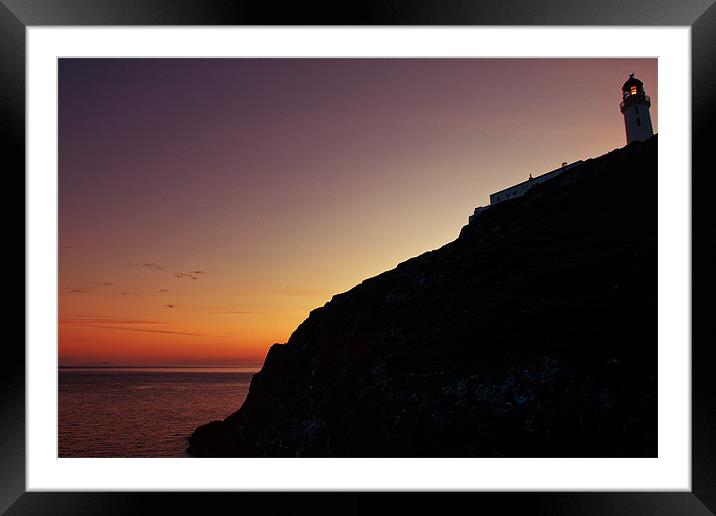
[[143, 412]]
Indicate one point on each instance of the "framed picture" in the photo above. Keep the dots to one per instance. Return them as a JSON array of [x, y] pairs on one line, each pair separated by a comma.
[[465, 228]]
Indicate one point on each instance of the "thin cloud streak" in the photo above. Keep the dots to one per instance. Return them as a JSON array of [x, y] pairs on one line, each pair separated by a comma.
[[234, 313], [188, 275], [147, 330], [76, 291], [100, 320], [151, 266]]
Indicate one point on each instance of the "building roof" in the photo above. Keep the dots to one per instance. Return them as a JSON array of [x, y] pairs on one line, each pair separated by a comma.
[[537, 177]]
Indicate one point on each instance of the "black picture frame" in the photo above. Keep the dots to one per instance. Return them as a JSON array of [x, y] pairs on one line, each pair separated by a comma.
[[17, 15]]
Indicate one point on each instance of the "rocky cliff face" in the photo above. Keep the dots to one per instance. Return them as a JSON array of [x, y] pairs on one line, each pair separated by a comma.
[[532, 334]]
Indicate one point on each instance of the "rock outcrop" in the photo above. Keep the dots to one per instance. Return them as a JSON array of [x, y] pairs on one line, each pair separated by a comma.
[[534, 333]]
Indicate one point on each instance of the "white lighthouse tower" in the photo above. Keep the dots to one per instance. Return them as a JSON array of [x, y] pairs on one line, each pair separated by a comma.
[[635, 108]]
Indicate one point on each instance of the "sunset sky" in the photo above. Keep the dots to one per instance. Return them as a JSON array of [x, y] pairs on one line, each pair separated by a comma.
[[207, 205]]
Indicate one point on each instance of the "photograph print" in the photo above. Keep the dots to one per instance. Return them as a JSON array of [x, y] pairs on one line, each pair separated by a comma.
[[357, 257]]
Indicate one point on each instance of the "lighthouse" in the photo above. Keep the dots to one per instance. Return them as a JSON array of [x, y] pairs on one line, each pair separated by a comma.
[[635, 108]]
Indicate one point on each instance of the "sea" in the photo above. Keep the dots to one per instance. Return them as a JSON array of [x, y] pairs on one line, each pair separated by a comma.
[[143, 411]]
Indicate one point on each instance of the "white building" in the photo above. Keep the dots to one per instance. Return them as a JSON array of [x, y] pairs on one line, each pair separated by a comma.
[[520, 189], [635, 108]]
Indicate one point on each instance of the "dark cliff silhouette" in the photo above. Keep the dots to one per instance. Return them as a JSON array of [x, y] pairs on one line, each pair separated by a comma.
[[532, 334]]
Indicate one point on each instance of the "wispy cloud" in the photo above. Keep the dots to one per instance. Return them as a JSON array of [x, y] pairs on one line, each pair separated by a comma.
[[150, 266], [128, 293], [148, 330], [233, 313], [76, 291], [163, 290], [170, 306], [107, 320], [189, 275], [109, 323], [105, 283]]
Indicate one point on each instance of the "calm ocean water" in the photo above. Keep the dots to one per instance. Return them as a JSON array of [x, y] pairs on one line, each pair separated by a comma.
[[143, 412]]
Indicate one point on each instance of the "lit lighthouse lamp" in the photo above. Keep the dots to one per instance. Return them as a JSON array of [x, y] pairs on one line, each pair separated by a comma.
[[635, 108]]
